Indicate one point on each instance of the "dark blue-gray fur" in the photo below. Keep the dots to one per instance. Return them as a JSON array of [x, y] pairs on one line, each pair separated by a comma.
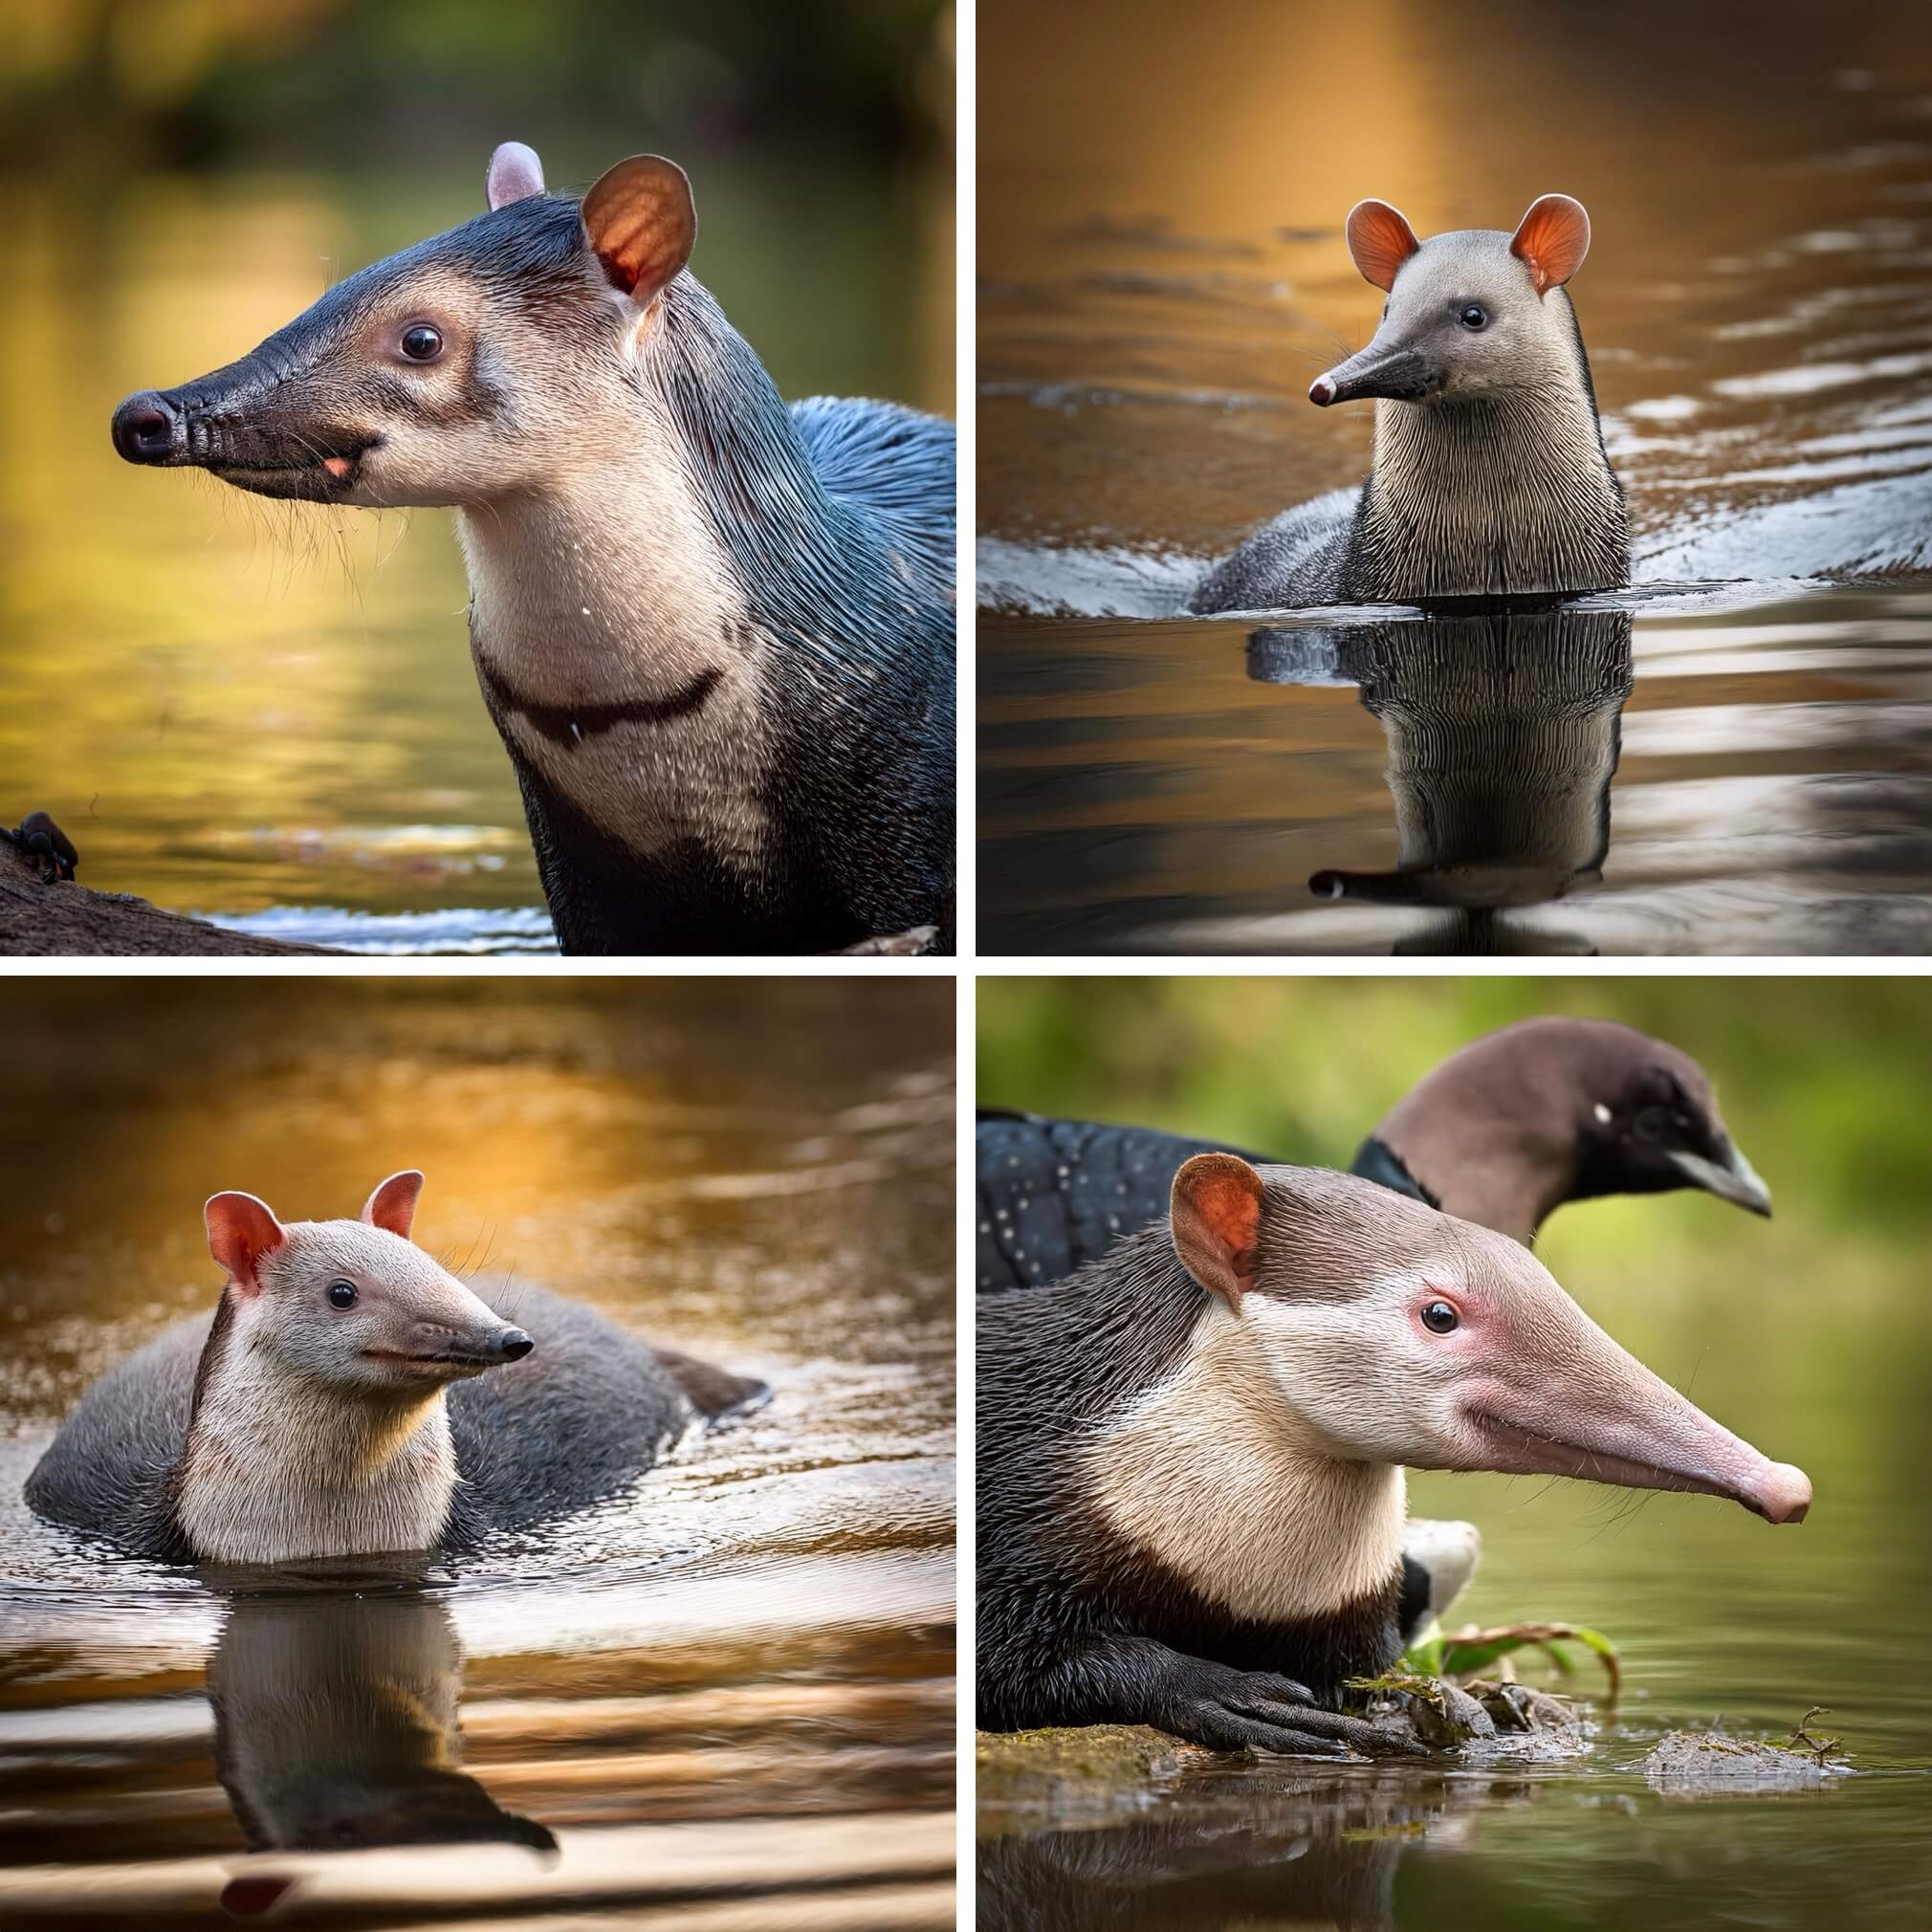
[[584, 1416], [837, 519]]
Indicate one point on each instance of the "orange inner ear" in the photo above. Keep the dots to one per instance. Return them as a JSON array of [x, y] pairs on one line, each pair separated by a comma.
[[1231, 1212], [1551, 240], [641, 223], [1379, 241]]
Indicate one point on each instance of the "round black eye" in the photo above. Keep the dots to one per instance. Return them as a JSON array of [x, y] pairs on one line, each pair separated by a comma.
[[1440, 1317], [342, 1294], [1653, 1122], [422, 344], [1474, 317]]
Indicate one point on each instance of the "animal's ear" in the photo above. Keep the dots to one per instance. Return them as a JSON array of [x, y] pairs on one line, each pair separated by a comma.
[[1380, 240], [393, 1204], [515, 174], [240, 1231], [642, 223], [1551, 240], [1216, 1215]]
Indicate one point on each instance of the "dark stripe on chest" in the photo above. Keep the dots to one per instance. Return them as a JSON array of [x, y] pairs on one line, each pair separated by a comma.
[[572, 724]]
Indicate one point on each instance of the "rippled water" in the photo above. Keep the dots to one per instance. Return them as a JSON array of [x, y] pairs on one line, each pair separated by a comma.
[[266, 713], [733, 1684], [1754, 305]]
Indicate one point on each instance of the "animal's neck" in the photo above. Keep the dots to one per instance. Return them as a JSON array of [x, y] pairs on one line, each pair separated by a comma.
[[277, 1468], [1504, 494], [605, 587], [1504, 1173], [1206, 1471]]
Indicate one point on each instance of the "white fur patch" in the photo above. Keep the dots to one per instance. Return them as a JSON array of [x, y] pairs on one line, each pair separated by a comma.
[[1209, 1472]]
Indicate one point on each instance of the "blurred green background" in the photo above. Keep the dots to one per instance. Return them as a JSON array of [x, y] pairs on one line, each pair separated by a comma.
[[1811, 1335], [242, 706]]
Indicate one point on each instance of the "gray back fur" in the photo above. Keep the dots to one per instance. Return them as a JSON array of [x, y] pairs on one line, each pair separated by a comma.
[[589, 1411]]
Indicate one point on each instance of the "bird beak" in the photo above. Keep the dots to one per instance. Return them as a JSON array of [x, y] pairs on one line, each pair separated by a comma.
[[1733, 1178]]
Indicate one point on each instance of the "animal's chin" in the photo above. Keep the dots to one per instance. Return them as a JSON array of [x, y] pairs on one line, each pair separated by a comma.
[[427, 1368], [1518, 1450], [330, 476]]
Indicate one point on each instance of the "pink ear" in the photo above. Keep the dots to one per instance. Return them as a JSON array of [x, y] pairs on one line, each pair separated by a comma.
[[1380, 241], [240, 1231], [1551, 240], [515, 174], [642, 223], [393, 1204]]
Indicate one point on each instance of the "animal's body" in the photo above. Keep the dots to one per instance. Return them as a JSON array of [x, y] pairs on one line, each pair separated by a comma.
[[1490, 475], [281, 1425], [1189, 1453], [714, 634]]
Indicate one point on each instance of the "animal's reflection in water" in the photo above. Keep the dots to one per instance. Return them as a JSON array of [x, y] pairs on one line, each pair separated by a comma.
[[336, 1726], [1261, 1849], [1504, 732]]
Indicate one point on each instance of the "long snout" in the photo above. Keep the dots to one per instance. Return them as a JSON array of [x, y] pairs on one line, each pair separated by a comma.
[[1559, 1397], [250, 425], [1383, 369], [489, 1349]]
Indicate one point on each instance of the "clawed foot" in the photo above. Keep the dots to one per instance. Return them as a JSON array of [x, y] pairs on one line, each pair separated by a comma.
[[1232, 1710], [47, 846]]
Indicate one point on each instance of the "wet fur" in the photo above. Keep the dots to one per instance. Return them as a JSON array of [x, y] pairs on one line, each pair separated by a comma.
[[1508, 493], [592, 1409]]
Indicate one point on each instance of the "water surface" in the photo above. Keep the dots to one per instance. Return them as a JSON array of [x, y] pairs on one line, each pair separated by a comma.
[[734, 1683], [1163, 273]]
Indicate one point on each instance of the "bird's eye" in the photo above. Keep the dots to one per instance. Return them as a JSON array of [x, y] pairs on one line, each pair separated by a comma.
[[1474, 317], [1653, 1122], [422, 344], [342, 1294], [1440, 1317]]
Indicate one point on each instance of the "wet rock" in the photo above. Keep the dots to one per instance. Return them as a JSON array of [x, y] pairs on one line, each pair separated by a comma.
[[1515, 1707], [1102, 1753], [1692, 1764]]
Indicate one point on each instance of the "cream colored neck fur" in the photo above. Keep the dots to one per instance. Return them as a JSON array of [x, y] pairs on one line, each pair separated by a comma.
[[1206, 1472], [606, 585], [607, 589], [277, 1468]]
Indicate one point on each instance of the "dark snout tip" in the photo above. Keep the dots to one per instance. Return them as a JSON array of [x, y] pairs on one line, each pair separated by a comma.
[[514, 1344], [1320, 393], [145, 426]]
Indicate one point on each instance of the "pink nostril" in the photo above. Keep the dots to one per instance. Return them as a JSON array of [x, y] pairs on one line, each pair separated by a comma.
[[1322, 391]]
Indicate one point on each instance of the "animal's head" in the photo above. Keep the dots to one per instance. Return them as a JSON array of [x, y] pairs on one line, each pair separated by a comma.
[[472, 365], [1390, 1333], [1469, 314], [1601, 1107], [353, 1304]]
